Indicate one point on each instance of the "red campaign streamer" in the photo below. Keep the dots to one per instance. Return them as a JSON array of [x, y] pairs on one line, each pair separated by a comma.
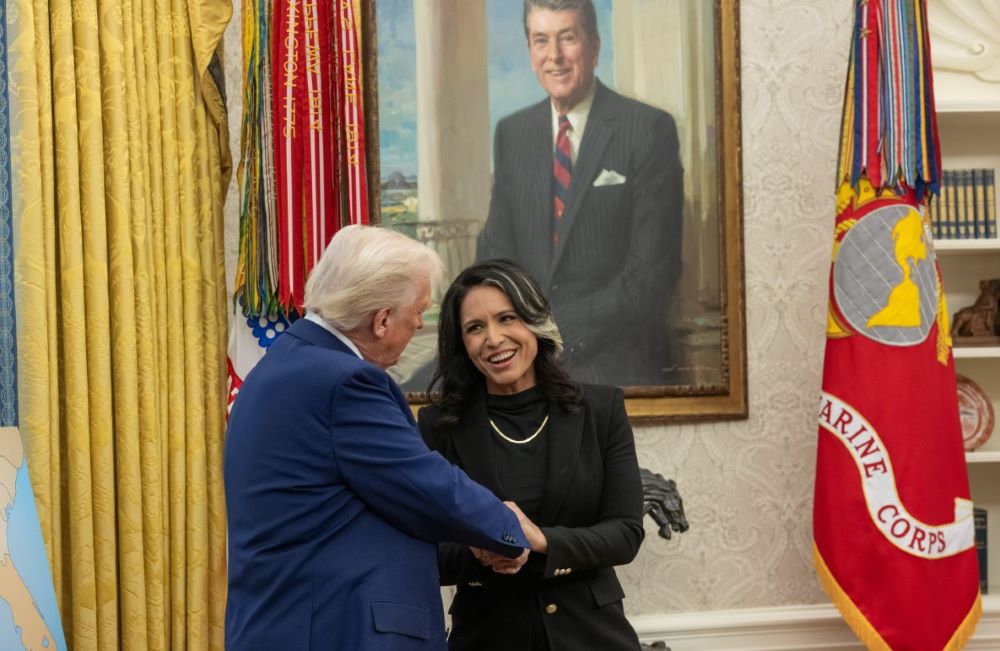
[[289, 108], [352, 114], [306, 157], [322, 208]]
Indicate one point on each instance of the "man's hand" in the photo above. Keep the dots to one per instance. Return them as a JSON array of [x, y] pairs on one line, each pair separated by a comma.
[[500, 564], [539, 543]]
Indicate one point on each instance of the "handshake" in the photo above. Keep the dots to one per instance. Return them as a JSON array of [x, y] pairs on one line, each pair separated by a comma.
[[502, 564]]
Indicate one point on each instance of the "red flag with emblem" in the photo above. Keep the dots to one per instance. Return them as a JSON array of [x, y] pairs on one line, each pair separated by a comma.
[[892, 516]]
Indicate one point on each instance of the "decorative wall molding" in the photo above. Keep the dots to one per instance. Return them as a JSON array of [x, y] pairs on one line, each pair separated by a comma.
[[784, 628], [966, 37], [965, 50]]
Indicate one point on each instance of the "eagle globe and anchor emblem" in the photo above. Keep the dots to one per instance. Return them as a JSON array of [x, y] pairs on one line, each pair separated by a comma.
[[884, 277]]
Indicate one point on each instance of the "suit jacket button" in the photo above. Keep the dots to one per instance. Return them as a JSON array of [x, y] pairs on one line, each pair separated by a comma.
[[551, 609]]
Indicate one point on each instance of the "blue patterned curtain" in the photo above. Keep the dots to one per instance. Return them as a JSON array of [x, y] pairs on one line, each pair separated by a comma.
[[8, 347]]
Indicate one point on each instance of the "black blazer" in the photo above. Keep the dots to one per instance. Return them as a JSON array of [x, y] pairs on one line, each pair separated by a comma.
[[613, 277], [591, 515]]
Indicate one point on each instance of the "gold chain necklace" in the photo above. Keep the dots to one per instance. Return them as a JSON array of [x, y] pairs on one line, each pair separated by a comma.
[[515, 441]]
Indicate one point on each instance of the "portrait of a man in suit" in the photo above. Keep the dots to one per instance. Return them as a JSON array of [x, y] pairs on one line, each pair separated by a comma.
[[579, 138], [588, 196]]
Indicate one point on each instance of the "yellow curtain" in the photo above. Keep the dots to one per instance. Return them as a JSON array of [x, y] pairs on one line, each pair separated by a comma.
[[122, 163]]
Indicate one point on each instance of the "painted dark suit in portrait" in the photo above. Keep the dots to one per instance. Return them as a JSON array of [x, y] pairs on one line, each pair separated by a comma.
[[613, 275]]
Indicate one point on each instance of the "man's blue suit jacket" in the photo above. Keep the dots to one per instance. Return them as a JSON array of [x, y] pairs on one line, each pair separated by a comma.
[[335, 505]]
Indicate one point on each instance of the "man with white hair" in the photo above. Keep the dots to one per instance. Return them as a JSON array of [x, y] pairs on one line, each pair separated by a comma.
[[335, 504]]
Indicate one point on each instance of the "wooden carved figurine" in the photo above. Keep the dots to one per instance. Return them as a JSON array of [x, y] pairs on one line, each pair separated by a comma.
[[980, 318]]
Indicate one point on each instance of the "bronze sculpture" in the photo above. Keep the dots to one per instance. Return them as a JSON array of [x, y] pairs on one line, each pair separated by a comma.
[[662, 502], [980, 318]]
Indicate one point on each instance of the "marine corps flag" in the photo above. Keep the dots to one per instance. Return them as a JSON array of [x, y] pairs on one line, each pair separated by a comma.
[[892, 518]]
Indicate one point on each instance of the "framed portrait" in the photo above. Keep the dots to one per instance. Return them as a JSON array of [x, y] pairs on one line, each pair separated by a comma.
[[641, 253]]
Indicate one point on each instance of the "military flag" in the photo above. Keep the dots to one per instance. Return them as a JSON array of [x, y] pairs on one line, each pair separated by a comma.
[[892, 518], [302, 170]]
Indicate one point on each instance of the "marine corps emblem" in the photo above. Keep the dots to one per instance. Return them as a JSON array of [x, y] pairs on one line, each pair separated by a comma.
[[884, 277]]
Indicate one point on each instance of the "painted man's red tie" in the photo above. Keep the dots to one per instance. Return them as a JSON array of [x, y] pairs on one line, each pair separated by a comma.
[[562, 172]]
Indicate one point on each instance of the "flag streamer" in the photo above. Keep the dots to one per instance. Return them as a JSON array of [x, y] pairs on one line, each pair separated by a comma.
[[302, 171], [889, 128]]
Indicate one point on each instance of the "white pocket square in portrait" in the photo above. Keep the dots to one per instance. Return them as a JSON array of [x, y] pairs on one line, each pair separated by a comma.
[[608, 177]]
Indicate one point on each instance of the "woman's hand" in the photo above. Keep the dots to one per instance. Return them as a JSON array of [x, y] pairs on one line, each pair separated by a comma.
[[539, 543]]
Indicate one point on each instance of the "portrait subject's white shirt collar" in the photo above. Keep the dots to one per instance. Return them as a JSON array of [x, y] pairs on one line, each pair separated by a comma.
[[321, 322], [577, 117]]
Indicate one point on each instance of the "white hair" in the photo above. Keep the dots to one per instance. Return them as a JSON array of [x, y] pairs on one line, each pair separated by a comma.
[[365, 269]]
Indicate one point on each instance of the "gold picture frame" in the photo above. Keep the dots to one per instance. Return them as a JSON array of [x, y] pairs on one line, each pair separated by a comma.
[[712, 315]]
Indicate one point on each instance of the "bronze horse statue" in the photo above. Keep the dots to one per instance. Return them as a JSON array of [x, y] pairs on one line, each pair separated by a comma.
[[662, 502]]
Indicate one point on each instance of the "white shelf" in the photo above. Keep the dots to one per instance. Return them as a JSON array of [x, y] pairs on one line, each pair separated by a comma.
[[979, 456], [972, 245], [975, 352], [991, 602], [946, 107]]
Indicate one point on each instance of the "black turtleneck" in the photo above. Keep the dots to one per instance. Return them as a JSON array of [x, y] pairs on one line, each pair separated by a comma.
[[520, 466]]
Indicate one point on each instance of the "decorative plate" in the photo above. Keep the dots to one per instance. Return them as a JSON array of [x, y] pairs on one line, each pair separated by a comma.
[[975, 411]]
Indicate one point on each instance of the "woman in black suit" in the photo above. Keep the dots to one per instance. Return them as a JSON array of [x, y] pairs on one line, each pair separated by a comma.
[[508, 414]]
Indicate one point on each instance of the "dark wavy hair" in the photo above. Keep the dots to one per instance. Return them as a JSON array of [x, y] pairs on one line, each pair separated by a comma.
[[457, 381]]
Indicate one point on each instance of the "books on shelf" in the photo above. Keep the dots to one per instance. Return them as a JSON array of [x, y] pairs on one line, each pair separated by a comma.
[[965, 206], [979, 523]]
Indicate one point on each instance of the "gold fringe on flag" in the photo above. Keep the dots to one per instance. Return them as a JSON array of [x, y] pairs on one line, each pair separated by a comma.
[[865, 631]]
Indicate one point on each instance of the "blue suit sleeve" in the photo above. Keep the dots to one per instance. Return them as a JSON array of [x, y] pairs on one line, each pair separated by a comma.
[[384, 461]]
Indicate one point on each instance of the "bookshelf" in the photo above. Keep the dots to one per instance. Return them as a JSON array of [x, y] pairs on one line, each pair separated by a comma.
[[970, 138], [968, 109]]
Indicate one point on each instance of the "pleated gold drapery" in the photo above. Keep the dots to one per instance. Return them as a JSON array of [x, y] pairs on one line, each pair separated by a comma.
[[120, 169]]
